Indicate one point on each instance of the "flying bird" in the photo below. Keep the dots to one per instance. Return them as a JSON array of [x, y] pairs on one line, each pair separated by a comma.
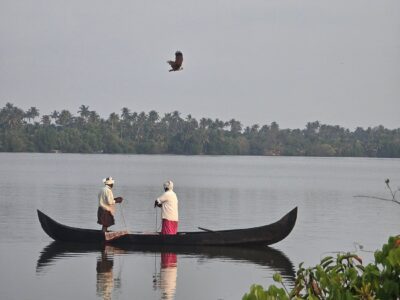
[[177, 64]]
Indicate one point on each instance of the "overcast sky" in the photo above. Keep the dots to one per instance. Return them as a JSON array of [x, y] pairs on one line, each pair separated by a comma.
[[256, 61]]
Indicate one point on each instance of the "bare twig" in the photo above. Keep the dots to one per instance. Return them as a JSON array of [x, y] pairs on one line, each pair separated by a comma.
[[359, 247], [390, 189], [378, 198], [384, 199]]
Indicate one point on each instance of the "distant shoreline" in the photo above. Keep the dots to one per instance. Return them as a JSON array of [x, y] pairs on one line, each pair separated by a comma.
[[201, 155], [150, 133]]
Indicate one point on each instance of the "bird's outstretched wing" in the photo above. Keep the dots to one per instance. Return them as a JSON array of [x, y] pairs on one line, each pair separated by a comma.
[[177, 64]]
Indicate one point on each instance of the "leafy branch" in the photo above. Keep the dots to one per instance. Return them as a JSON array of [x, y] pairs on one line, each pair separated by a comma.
[[342, 278]]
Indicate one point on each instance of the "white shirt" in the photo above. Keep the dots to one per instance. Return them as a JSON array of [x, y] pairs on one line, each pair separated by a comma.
[[106, 199], [168, 281], [169, 209]]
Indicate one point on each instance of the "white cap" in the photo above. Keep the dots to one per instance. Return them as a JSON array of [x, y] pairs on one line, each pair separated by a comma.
[[108, 180], [168, 185]]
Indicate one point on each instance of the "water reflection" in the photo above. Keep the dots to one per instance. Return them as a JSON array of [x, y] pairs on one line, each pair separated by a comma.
[[165, 280], [165, 277], [106, 283]]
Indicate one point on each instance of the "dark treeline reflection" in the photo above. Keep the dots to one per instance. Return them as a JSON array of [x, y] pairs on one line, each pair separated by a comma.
[[150, 133]]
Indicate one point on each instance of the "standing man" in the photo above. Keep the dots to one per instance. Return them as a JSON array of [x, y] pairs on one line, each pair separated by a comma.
[[106, 210], [169, 209]]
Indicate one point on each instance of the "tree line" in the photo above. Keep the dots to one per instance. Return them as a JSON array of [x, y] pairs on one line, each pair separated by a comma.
[[150, 133]]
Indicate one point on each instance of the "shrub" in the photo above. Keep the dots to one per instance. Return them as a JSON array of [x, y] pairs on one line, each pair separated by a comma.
[[342, 278]]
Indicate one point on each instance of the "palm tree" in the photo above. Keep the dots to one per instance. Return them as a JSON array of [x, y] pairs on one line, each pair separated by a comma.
[[192, 123], [46, 121], [133, 117], [54, 115], [151, 125], [32, 113], [140, 124], [176, 123], [93, 117], [125, 115], [274, 126], [191, 136], [126, 119], [153, 117], [65, 118], [113, 119], [11, 116], [205, 123], [236, 127], [218, 124], [84, 111]]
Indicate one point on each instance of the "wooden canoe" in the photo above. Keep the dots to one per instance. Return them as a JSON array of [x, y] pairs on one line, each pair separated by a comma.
[[263, 235]]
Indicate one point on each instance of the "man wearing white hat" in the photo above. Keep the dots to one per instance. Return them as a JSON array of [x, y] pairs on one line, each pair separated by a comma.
[[106, 210], [169, 209]]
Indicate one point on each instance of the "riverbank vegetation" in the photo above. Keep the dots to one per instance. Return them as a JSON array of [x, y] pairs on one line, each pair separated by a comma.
[[343, 277], [150, 133]]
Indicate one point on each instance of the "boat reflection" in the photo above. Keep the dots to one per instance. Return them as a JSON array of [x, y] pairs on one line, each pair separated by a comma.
[[164, 279]]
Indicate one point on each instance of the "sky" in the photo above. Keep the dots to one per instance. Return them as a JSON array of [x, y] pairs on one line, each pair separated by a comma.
[[288, 61]]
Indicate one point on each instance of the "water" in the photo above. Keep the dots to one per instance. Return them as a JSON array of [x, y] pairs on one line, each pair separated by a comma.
[[219, 192]]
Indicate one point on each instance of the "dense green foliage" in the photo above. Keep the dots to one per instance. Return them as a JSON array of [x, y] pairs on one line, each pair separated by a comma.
[[150, 133], [342, 278]]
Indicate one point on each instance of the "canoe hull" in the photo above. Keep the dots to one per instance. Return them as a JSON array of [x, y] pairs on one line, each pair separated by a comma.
[[263, 235]]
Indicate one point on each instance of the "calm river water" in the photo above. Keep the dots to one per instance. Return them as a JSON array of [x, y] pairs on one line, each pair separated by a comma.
[[220, 192]]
